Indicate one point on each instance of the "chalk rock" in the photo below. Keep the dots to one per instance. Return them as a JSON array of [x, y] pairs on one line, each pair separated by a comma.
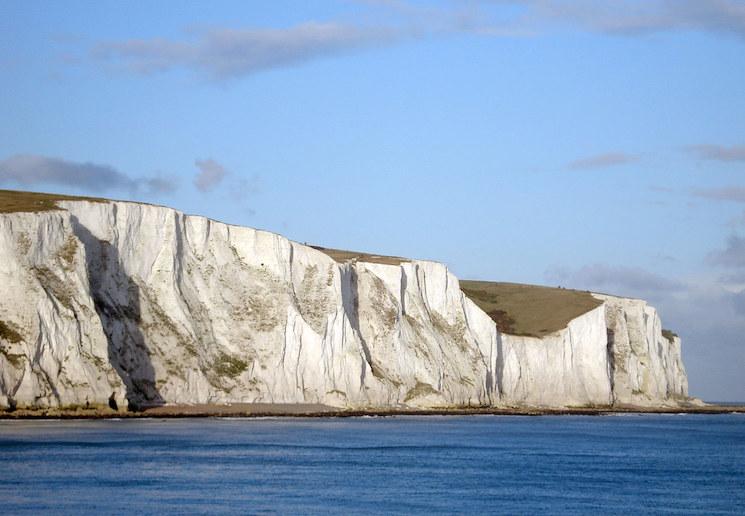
[[647, 368], [143, 305], [567, 368]]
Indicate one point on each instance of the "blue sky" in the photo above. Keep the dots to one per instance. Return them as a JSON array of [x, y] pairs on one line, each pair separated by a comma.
[[594, 145]]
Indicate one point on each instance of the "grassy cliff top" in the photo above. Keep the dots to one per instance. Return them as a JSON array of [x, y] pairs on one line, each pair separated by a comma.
[[345, 256], [529, 310], [517, 309], [12, 201], [526, 310]]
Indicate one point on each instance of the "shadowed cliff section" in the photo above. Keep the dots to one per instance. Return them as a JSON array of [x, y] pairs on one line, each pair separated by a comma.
[[116, 297]]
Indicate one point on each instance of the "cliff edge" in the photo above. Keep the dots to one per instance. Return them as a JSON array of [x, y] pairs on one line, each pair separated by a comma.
[[132, 305]]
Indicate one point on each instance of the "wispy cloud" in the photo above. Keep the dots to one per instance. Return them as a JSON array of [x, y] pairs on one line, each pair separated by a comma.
[[610, 159], [733, 254], [244, 187], [731, 258], [614, 279], [738, 221], [210, 174], [28, 170], [726, 193], [632, 17], [738, 301], [159, 184], [616, 17], [661, 189], [718, 152], [223, 53]]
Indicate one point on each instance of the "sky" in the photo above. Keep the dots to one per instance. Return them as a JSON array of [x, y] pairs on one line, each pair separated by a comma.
[[589, 144]]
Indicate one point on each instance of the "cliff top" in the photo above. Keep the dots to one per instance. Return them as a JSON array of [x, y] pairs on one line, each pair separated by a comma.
[[341, 256], [12, 201], [529, 310], [517, 309]]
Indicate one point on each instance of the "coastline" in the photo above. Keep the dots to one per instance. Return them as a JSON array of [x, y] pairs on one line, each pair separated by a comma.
[[254, 410]]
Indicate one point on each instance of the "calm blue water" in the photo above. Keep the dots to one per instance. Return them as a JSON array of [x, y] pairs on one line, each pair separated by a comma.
[[487, 464]]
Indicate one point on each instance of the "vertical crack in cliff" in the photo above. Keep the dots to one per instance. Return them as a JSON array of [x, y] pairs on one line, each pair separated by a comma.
[[499, 366], [350, 303], [179, 255], [610, 351]]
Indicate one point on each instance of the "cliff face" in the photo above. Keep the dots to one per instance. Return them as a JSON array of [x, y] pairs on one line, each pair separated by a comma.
[[159, 307], [646, 365], [567, 368]]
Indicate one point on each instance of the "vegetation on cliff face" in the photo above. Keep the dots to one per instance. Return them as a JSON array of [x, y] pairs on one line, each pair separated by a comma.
[[420, 389], [227, 365], [8, 334]]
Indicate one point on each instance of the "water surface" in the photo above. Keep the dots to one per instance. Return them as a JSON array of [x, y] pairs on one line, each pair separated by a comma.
[[487, 464]]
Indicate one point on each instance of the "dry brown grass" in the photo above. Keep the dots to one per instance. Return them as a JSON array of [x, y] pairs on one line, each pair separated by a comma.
[[346, 256], [12, 201], [528, 310]]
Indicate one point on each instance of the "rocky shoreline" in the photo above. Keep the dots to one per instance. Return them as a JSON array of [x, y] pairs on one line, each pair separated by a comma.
[[251, 410]]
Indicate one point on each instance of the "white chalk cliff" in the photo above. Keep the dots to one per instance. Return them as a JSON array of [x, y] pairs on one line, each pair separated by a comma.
[[159, 307]]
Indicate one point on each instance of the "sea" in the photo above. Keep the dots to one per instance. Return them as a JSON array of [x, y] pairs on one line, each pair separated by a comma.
[[612, 464]]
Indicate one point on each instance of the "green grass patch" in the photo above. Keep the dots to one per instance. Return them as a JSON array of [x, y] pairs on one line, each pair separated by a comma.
[[529, 310], [669, 335], [227, 365], [67, 252], [8, 334], [58, 287]]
